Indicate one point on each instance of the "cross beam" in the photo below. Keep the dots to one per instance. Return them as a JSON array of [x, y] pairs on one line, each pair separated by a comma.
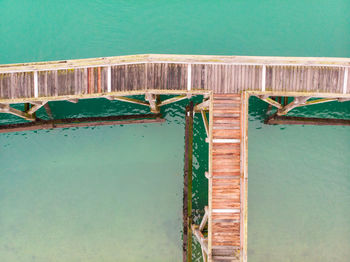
[[270, 101], [298, 101], [128, 99], [202, 106], [6, 108], [205, 122], [36, 106], [198, 232], [172, 100], [73, 100]]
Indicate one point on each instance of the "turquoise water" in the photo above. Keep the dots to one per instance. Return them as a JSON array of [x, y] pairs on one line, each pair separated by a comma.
[[299, 188], [115, 194], [101, 193]]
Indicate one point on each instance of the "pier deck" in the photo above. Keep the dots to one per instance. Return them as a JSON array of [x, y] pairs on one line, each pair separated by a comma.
[[225, 204]]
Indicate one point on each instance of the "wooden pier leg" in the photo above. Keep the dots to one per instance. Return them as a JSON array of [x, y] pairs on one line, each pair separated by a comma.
[[187, 194], [279, 99], [26, 107], [153, 102], [34, 113]]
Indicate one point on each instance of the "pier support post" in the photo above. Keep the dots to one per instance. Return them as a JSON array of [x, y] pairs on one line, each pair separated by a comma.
[[298, 101], [153, 101]]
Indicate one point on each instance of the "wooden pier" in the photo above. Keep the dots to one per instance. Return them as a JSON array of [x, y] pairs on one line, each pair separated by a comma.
[[226, 82]]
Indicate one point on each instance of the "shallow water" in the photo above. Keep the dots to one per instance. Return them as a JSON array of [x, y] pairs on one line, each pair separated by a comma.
[[115, 193], [299, 188]]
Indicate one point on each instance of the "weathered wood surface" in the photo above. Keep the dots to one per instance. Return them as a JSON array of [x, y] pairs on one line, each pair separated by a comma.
[[221, 74], [82, 122], [225, 204], [294, 120], [187, 190]]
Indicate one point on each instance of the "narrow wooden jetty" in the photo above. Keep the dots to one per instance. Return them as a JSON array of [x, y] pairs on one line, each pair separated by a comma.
[[225, 183], [226, 213]]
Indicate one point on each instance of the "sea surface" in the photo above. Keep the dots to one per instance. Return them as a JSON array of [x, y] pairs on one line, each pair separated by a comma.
[[115, 193]]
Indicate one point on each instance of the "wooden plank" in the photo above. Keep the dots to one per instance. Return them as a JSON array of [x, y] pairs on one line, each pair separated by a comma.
[[205, 122], [48, 110], [226, 141], [36, 107], [172, 100], [128, 100], [263, 80], [204, 219], [226, 134]]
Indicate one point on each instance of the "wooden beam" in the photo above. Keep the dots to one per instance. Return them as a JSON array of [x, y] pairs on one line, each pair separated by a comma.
[[204, 220], [82, 122], [26, 107], [172, 100], [298, 101], [343, 99], [153, 102], [244, 178], [48, 110], [197, 230], [35, 107], [270, 101], [198, 234], [37, 102], [202, 106], [6, 108], [73, 100], [128, 100], [204, 255], [290, 120], [205, 122], [319, 101]]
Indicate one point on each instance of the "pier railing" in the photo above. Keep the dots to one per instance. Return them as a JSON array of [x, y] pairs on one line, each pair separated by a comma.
[[86, 78]]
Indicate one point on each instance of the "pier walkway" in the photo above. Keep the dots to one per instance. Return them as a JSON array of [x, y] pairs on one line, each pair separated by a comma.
[[225, 204], [226, 211]]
